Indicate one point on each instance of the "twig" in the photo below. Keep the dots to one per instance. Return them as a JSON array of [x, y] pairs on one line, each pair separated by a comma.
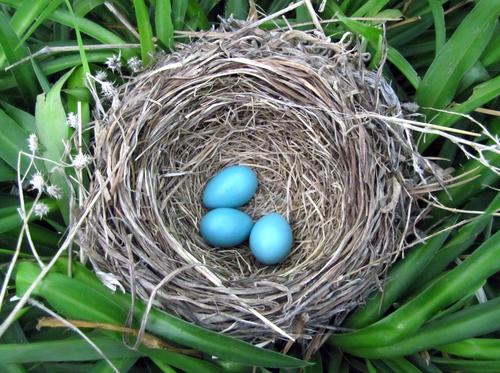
[[482, 110], [67, 323], [277, 14], [148, 340], [71, 235], [122, 19]]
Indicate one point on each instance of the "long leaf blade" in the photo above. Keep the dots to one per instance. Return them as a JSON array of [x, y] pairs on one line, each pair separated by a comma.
[[462, 50]]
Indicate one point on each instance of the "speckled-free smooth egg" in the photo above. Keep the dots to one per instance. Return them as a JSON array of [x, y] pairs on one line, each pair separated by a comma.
[[225, 227], [232, 187], [271, 239]]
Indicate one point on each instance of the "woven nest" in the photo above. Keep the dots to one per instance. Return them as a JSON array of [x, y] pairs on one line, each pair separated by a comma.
[[307, 116]]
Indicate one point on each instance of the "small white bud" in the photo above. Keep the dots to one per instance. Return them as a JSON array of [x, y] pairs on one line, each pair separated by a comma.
[[37, 181], [33, 143], [134, 64], [54, 191], [81, 161], [108, 90], [113, 63], [72, 120], [101, 76], [40, 209]]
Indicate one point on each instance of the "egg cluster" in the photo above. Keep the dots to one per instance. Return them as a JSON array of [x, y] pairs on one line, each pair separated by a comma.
[[270, 238]]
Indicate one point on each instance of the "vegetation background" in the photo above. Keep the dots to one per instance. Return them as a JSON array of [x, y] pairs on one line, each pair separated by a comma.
[[439, 311]]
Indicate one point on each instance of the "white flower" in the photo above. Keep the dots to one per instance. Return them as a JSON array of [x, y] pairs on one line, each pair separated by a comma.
[[134, 64], [37, 182], [40, 209], [33, 143], [113, 63], [72, 120], [101, 76], [108, 90], [54, 191], [81, 161]]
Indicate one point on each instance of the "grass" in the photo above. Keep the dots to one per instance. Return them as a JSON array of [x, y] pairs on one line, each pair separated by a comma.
[[439, 311]]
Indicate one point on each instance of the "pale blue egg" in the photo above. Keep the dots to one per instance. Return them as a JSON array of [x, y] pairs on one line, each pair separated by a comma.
[[225, 227], [271, 239], [232, 187]]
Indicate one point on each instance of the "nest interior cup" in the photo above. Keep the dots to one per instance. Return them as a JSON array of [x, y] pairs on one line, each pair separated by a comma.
[[305, 114]]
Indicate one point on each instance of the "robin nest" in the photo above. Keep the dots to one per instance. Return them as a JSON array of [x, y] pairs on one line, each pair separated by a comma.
[[322, 133]]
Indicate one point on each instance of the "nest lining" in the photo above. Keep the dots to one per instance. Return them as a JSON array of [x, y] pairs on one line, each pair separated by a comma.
[[293, 106]]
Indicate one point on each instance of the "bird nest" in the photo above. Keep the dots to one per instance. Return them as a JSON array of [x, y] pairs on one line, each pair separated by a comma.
[[310, 119]]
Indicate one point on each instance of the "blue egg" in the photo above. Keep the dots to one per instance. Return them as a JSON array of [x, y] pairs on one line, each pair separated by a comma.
[[271, 239], [225, 227], [232, 187]]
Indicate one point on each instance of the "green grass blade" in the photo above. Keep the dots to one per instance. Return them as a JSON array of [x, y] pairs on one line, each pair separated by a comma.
[[83, 7], [475, 75], [14, 334], [476, 320], [401, 276], [491, 54], [27, 13], [9, 215], [373, 35], [7, 173], [208, 5], [86, 26], [238, 8], [401, 365], [370, 8], [463, 239], [404, 66], [474, 348], [482, 94], [83, 55], [163, 23], [71, 349], [369, 367], [40, 76], [185, 363], [145, 31], [196, 16], [23, 74], [404, 35], [46, 240], [77, 300], [469, 366], [123, 365], [25, 120], [462, 50], [52, 130], [13, 139], [423, 364], [439, 26], [40, 18], [12, 368], [59, 64], [482, 178], [277, 5], [441, 293], [179, 9], [317, 364]]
